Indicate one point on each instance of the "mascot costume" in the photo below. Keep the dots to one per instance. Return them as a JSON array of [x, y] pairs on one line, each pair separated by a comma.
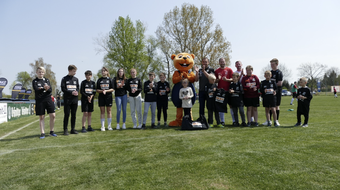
[[183, 62]]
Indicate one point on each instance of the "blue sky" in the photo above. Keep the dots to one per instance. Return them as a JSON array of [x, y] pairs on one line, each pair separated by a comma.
[[62, 32]]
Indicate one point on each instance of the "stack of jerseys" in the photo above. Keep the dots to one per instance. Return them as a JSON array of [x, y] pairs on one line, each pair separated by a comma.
[[217, 100]]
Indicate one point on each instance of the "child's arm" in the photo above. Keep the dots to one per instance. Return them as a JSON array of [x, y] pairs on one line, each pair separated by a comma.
[[146, 88], [180, 94], [191, 94], [99, 90]]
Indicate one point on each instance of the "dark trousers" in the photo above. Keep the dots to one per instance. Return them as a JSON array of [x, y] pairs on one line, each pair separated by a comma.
[[202, 99], [67, 109], [161, 106], [304, 113], [187, 112], [210, 117], [235, 110]]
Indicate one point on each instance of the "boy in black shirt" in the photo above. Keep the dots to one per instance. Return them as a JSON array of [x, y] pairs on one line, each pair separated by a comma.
[[43, 92], [277, 77], [163, 89], [236, 99], [150, 100], [88, 90], [70, 88], [304, 98], [212, 86], [268, 90]]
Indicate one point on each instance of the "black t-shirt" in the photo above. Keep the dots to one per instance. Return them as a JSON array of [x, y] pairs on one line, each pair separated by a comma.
[[40, 92], [211, 96], [150, 93], [68, 85], [203, 80], [87, 88], [304, 103], [119, 91], [104, 83], [134, 83], [221, 100], [236, 97], [265, 84], [162, 94], [277, 76]]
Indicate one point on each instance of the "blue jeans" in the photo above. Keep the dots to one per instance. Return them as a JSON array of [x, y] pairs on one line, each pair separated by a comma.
[[121, 101]]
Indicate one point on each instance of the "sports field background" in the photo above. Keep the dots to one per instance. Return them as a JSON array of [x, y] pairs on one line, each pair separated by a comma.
[[262, 157]]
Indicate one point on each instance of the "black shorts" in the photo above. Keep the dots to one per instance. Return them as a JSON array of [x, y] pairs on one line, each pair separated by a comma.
[[251, 102], [162, 104], [269, 101], [42, 105], [86, 106], [278, 96], [105, 101], [294, 95]]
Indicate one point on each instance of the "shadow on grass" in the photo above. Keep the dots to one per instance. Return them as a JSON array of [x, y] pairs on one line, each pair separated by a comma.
[[21, 138]]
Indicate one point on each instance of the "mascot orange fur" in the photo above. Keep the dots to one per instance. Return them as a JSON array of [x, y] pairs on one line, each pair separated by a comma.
[[183, 62]]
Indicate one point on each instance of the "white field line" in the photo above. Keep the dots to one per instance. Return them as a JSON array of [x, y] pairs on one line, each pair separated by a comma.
[[8, 134]]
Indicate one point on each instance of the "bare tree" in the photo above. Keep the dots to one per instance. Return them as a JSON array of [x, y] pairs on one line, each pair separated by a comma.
[[312, 71], [191, 29], [287, 73]]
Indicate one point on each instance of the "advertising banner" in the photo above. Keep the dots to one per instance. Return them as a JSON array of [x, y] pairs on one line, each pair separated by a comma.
[[3, 112], [3, 83], [17, 110], [16, 90], [22, 93], [28, 93]]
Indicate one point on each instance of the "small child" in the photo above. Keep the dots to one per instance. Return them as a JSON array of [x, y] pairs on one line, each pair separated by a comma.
[[304, 98], [185, 94], [150, 100], [236, 99], [268, 90], [43, 92], [334, 90], [212, 86], [70, 87], [87, 90], [163, 89]]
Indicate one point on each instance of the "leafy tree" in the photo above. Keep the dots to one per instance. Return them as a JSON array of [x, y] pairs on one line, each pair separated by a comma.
[[124, 46], [25, 79], [330, 78], [286, 85], [191, 29], [312, 71], [48, 74]]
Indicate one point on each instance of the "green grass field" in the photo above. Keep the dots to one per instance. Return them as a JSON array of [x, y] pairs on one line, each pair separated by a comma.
[[286, 157]]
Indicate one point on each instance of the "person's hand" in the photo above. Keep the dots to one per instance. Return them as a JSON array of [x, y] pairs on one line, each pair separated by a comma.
[[133, 90], [219, 76], [89, 98], [231, 91], [224, 78], [274, 93], [75, 93], [104, 91], [255, 88], [151, 85], [46, 87], [167, 89], [196, 68], [203, 67]]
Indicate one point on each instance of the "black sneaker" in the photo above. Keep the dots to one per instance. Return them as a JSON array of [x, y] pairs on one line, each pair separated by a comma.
[[222, 123], [143, 127], [249, 124], [297, 124], [73, 131], [153, 126], [237, 124], [65, 132], [42, 136], [83, 130], [244, 124], [90, 129], [269, 124], [256, 124]]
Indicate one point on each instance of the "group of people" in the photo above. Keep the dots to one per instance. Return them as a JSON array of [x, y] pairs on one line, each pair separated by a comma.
[[217, 88]]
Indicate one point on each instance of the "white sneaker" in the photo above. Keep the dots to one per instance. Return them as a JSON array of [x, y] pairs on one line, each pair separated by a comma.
[[305, 125], [139, 126], [277, 122], [117, 126], [102, 128], [266, 123], [135, 126], [124, 127], [109, 128]]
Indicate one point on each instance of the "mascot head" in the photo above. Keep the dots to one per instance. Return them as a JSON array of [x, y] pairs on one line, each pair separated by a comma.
[[183, 61]]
